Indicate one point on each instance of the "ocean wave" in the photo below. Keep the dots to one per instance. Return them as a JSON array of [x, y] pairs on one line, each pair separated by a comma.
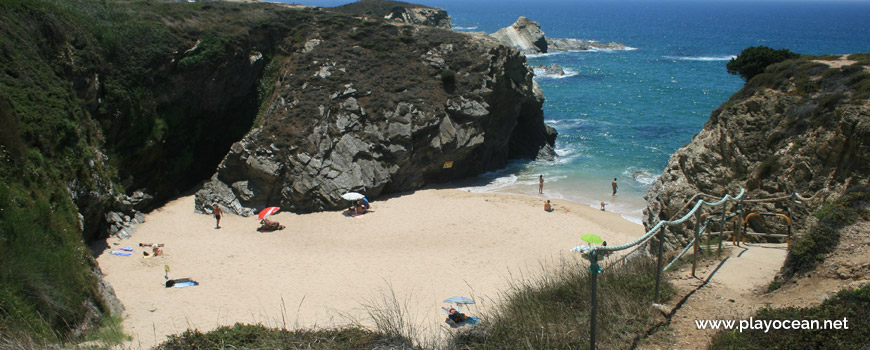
[[641, 176], [464, 28], [567, 155], [541, 73], [627, 48], [536, 55], [701, 58], [590, 50], [499, 181]]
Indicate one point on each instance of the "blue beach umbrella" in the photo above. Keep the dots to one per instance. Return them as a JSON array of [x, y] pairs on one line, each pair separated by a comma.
[[459, 300]]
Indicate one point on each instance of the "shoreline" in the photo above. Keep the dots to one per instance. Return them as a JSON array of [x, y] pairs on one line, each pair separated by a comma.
[[422, 247]]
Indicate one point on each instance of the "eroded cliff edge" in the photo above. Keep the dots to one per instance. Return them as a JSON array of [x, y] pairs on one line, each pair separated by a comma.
[[382, 113], [801, 127]]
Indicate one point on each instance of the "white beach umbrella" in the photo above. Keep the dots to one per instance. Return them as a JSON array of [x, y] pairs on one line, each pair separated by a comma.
[[352, 196]]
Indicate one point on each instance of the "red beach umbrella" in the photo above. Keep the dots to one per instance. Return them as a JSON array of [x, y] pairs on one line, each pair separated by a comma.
[[268, 211]]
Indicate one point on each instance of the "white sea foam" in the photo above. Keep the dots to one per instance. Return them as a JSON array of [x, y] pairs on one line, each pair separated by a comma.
[[464, 28], [535, 55], [513, 180], [641, 176], [701, 58], [541, 73], [627, 48]]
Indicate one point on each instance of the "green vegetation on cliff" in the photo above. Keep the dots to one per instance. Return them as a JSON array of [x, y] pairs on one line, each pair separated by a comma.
[[99, 96], [753, 60], [850, 305]]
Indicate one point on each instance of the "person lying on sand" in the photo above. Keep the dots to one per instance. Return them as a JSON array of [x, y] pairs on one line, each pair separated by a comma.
[[454, 315], [155, 250], [269, 225]]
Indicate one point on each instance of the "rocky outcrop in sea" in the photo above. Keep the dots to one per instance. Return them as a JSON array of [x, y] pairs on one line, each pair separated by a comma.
[[344, 118], [526, 35], [803, 127], [550, 70]]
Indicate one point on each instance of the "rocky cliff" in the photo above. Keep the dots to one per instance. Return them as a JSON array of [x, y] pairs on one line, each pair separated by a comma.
[[802, 126], [389, 111], [526, 35], [398, 11]]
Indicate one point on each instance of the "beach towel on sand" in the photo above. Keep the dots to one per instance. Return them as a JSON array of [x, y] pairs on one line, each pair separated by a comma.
[[470, 321], [186, 284], [120, 252], [181, 283]]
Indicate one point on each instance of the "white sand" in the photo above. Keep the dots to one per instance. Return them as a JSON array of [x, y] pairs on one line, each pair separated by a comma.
[[424, 247]]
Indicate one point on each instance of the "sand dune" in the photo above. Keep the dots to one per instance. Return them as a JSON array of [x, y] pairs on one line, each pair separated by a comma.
[[323, 267]]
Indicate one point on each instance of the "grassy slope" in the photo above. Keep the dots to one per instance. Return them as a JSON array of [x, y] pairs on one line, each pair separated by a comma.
[[553, 312], [45, 279]]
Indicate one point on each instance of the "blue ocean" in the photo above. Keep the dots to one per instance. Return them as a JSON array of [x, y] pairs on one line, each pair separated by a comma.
[[621, 114]]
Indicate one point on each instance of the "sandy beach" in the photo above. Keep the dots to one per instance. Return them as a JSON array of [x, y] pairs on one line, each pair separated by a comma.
[[322, 269]]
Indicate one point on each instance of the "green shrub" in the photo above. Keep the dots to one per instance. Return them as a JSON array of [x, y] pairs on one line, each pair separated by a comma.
[[862, 58], [860, 83], [850, 305], [211, 50], [830, 102], [243, 336], [448, 79], [753, 60]]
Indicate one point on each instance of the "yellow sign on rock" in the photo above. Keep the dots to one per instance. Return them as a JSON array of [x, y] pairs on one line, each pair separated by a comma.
[[448, 165]]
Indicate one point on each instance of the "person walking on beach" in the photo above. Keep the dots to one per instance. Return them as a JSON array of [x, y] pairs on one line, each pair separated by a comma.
[[615, 186], [541, 184], [216, 209]]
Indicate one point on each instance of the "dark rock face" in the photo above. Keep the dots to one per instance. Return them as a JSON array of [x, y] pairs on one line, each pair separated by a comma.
[[526, 35], [350, 119], [772, 141]]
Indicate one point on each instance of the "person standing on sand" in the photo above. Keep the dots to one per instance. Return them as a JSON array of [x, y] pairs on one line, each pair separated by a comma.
[[615, 186], [216, 209], [541, 184]]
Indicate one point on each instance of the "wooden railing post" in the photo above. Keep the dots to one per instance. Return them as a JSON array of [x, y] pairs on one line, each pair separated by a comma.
[[594, 270], [659, 263], [722, 225], [697, 241]]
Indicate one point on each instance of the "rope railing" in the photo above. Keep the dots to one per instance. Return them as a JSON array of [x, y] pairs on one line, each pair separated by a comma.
[[658, 226], [595, 254], [680, 255]]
